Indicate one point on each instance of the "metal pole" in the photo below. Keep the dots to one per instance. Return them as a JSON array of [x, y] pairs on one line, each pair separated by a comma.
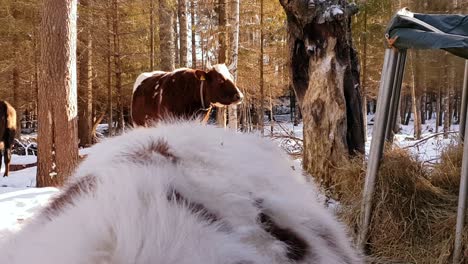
[[464, 103], [463, 195], [378, 138], [396, 92]]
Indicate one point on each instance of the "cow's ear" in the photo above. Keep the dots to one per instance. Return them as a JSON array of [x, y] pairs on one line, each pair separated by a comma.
[[201, 75]]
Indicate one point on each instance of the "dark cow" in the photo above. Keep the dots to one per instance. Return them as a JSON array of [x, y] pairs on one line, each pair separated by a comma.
[[7, 133], [183, 93]]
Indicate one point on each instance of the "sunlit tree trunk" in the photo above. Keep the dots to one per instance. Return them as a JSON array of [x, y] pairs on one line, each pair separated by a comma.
[[182, 13], [234, 58], [57, 137], [166, 36], [415, 93], [221, 113], [193, 33]]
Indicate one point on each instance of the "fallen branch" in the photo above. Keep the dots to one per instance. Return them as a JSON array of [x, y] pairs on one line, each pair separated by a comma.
[[427, 138]]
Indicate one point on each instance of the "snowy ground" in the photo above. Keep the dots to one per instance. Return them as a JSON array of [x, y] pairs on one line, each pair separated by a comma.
[[19, 199]]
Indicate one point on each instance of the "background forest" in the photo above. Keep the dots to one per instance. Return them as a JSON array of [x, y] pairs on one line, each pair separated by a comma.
[[119, 39]]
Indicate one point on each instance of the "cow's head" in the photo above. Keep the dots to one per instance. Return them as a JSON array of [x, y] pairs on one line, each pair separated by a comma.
[[220, 87]]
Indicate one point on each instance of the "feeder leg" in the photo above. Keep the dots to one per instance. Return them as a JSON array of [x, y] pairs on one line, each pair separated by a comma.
[[462, 197], [464, 103], [378, 137], [396, 92]]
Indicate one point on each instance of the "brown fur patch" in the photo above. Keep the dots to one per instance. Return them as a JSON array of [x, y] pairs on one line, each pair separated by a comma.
[[144, 154], [85, 185], [195, 208]]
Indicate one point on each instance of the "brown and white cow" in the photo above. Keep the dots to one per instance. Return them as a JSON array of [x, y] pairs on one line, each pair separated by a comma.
[[182, 93]]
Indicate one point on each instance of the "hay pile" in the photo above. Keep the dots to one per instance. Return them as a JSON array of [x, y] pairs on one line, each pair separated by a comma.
[[413, 218]]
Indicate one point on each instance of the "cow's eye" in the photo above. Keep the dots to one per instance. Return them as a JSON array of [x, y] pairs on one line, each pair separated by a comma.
[[221, 81]]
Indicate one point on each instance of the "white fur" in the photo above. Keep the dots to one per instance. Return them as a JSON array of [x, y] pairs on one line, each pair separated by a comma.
[[128, 219], [223, 70], [145, 75]]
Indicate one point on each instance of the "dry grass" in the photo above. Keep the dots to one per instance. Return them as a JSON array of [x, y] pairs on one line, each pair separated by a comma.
[[447, 173], [413, 219]]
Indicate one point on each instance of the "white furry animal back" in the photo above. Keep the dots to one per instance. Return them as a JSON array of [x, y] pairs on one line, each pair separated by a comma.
[[183, 193]]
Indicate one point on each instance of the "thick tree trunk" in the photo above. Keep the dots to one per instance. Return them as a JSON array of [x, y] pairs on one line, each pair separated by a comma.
[[85, 87], [57, 137], [321, 51], [182, 13]]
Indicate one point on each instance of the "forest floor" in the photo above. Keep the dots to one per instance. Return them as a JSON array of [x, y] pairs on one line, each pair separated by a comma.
[[19, 199]]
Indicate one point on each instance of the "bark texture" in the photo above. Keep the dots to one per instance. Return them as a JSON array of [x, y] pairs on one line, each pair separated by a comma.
[[325, 74], [166, 36], [182, 13], [57, 137]]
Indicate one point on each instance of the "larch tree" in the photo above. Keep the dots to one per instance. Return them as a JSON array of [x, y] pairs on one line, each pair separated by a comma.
[[57, 135], [182, 14], [193, 32], [222, 15], [261, 109], [117, 63], [85, 75], [109, 69], [235, 11], [166, 36], [325, 75]]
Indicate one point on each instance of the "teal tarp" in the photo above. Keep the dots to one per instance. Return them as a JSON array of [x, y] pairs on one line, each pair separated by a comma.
[[414, 35]]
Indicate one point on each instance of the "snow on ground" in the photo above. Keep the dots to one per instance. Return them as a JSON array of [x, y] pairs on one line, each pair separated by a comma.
[[19, 199]]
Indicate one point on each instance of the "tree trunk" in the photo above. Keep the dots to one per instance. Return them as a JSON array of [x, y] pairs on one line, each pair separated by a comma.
[[364, 75], [446, 100], [166, 36], [118, 65], [321, 50], [222, 14], [182, 13], [176, 40], [193, 33], [235, 10], [262, 81], [85, 87], [151, 53], [16, 102], [439, 108], [415, 94], [57, 137], [109, 73], [15, 12]]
